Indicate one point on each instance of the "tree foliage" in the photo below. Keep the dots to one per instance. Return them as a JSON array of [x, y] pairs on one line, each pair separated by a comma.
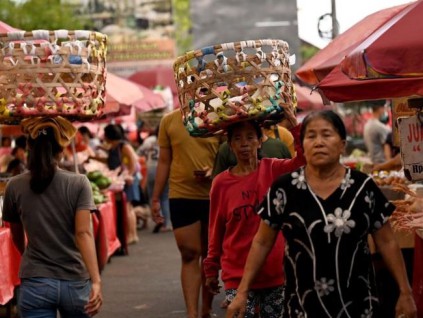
[[183, 25], [41, 14], [307, 52]]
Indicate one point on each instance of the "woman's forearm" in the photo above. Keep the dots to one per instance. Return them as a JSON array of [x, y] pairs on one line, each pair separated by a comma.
[[97, 158], [86, 246], [162, 173], [262, 245], [388, 248]]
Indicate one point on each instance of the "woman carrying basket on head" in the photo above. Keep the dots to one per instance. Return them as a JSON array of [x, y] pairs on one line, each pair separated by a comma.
[[234, 196]]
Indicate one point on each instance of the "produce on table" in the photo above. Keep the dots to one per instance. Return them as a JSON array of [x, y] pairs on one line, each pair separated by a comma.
[[99, 179], [98, 182]]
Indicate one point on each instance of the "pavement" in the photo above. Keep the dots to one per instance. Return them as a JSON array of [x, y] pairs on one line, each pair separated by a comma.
[[146, 282]]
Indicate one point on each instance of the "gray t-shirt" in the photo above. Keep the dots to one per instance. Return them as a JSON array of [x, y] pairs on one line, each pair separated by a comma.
[[49, 222], [375, 136]]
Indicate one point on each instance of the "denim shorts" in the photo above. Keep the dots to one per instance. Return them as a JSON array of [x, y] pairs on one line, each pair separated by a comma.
[[43, 297]]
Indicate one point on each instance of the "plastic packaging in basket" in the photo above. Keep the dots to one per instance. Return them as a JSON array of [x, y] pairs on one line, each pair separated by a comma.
[[226, 83], [51, 73]]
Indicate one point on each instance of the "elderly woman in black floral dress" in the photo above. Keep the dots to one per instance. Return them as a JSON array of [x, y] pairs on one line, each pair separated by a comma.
[[325, 212]]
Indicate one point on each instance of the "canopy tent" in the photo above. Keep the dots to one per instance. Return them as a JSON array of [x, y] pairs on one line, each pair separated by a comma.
[[394, 50], [157, 76], [386, 65], [306, 101], [321, 64], [4, 28], [338, 87], [122, 94]]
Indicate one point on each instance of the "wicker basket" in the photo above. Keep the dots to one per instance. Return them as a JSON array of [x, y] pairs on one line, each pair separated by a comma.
[[51, 73], [226, 83]]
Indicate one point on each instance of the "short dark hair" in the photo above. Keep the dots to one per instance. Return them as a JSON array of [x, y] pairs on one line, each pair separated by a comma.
[[376, 104], [328, 115], [85, 131], [113, 132], [234, 126]]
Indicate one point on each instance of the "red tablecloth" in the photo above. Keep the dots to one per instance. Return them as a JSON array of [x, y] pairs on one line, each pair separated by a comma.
[[418, 275], [9, 266], [105, 224], [118, 199]]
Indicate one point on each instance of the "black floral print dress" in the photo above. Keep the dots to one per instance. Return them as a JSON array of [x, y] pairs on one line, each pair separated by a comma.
[[327, 259]]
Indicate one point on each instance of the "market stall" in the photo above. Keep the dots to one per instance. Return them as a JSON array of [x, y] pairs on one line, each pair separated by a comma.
[[378, 58]]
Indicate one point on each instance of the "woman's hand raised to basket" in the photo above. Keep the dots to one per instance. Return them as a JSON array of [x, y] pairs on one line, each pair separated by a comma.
[[289, 121]]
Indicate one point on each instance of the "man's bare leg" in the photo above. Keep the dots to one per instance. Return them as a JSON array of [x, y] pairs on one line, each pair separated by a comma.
[[188, 240]]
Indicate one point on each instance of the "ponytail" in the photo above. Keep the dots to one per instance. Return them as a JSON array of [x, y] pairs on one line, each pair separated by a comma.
[[42, 159]]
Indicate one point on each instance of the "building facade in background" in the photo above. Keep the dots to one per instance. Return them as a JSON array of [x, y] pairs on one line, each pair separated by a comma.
[[142, 32], [222, 21]]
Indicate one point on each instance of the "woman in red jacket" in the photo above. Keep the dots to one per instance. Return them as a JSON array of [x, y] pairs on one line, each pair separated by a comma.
[[234, 196]]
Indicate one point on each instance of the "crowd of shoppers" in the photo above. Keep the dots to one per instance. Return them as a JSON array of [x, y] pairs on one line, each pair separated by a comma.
[[303, 257]]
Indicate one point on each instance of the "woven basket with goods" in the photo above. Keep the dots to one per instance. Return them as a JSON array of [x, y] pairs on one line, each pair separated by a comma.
[[222, 84], [51, 73]]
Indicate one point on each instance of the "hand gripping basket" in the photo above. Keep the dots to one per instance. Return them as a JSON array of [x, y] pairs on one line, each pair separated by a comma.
[[52, 73], [226, 83]]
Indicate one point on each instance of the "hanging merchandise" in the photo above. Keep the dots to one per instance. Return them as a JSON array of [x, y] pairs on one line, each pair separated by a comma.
[[411, 145]]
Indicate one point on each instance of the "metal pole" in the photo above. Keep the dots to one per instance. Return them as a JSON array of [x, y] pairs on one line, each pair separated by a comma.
[[75, 157], [335, 30]]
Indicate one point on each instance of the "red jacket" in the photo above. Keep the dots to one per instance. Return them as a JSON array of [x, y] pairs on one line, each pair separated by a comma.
[[234, 222]]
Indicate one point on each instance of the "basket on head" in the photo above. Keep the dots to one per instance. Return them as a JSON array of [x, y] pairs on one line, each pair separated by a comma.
[[226, 83], [52, 73]]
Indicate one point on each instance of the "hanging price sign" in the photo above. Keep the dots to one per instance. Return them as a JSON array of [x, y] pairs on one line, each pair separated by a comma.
[[411, 145]]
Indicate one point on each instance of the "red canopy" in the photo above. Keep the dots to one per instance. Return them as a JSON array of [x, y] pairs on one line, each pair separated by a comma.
[[159, 75], [306, 100], [4, 28], [315, 69], [338, 87], [395, 49], [122, 94]]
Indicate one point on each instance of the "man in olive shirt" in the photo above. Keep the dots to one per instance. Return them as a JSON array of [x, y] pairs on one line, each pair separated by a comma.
[[271, 148]]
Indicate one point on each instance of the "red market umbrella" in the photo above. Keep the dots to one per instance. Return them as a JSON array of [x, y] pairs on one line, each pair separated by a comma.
[[4, 28], [338, 87], [122, 94], [158, 75], [321, 64], [306, 100], [395, 49]]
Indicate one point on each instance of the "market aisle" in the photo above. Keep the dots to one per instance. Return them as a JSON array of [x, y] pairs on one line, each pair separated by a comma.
[[146, 282]]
